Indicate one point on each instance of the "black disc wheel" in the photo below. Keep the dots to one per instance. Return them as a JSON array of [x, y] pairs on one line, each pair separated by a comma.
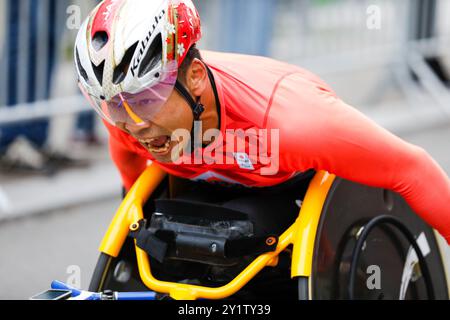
[[387, 266]]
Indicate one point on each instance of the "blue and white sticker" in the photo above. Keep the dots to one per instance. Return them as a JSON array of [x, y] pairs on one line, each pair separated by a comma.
[[243, 161]]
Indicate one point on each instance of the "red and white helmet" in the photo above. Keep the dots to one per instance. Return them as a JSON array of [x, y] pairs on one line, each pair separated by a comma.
[[128, 52]]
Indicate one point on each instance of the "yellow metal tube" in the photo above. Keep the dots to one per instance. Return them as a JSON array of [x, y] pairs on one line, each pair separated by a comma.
[[192, 292], [301, 235], [131, 210], [308, 221]]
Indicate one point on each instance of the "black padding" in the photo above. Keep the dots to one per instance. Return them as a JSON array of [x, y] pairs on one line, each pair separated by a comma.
[[148, 242], [249, 246], [198, 210]]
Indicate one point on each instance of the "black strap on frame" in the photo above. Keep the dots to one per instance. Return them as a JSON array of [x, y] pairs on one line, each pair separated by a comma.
[[158, 248]]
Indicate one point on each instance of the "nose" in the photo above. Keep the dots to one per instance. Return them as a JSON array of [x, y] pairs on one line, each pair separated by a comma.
[[138, 130]]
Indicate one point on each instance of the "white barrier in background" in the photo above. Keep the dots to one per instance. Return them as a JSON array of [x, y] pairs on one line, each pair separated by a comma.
[[5, 204], [71, 188], [43, 109]]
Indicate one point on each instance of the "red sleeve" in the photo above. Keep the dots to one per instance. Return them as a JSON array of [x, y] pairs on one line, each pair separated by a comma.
[[320, 131], [129, 163]]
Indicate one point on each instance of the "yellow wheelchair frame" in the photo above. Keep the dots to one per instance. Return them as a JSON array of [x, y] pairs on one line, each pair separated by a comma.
[[301, 235]]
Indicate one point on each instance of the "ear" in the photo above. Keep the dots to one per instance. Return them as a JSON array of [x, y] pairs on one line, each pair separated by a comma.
[[197, 78]]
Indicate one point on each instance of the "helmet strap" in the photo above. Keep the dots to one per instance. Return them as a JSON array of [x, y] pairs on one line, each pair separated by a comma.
[[196, 106]]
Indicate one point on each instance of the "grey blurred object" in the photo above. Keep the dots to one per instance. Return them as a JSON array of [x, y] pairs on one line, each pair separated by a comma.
[[23, 154], [248, 26], [238, 26], [23, 157], [397, 60]]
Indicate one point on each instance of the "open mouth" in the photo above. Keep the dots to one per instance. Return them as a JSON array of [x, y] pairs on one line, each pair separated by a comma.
[[159, 145]]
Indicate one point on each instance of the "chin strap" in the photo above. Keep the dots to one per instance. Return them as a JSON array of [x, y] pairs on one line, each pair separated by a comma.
[[197, 107]]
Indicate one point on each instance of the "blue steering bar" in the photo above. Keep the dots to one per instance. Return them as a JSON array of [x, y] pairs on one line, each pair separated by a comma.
[[86, 295]]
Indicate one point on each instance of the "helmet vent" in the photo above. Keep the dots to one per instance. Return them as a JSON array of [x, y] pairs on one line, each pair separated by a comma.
[[121, 70], [98, 71], [99, 40], [81, 70], [152, 57]]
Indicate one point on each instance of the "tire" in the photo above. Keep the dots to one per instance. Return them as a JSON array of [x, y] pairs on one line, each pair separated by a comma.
[[380, 270], [100, 273], [303, 288]]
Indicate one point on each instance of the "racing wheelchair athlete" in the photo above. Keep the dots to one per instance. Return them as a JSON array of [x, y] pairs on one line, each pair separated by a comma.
[[328, 197]]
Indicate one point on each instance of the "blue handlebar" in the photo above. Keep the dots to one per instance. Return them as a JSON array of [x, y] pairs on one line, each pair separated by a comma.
[[136, 295], [86, 295]]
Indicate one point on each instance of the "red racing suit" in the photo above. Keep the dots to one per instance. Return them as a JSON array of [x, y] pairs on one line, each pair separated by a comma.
[[315, 130]]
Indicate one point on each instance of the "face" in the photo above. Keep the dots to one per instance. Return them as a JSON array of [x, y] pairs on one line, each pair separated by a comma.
[[156, 136]]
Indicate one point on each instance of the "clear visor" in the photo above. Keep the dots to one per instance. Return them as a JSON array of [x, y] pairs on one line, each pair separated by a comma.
[[136, 108]]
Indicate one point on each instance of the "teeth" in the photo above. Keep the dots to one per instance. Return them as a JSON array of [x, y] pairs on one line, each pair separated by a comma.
[[162, 149], [147, 141]]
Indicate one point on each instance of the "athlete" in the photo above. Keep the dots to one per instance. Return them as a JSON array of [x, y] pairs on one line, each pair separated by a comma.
[[139, 67]]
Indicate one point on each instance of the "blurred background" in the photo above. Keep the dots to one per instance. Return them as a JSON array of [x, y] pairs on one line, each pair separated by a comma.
[[59, 189]]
